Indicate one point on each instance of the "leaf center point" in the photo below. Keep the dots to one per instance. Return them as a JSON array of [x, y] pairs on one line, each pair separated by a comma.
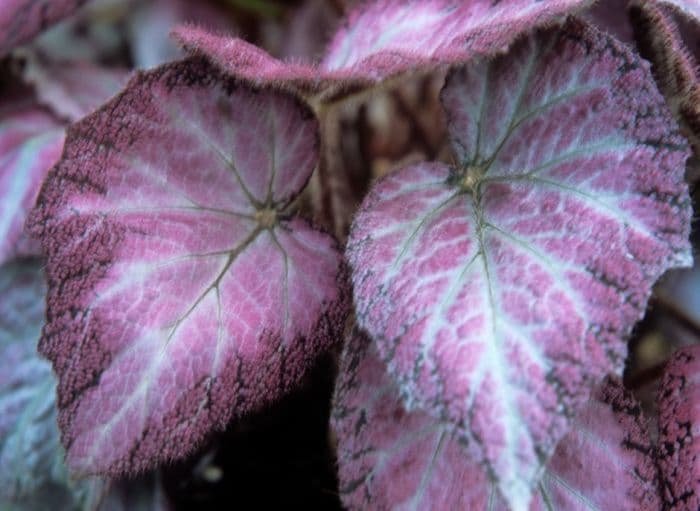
[[266, 218], [470, 178]]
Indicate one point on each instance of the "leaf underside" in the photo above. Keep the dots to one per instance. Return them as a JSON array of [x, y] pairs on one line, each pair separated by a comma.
[[181, 290], [390, 458], [501, 290]]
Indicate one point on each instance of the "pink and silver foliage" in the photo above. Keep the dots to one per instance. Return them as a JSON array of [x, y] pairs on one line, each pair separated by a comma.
[[20, 20], [32, 131], [32, 475], [182, 289], [679, 431], [31, 138], [501, 289], [385, 38], [71, 90], [391, 458]]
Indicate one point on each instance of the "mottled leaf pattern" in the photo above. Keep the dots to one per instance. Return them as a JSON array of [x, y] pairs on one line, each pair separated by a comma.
[[182, 291], [384, 38], [20, 20], [390, 458], [500, 290], [679, 431]]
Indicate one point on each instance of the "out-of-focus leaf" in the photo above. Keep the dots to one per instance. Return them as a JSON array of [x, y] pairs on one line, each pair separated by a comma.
[[71, 89], [151, 22], [32, 131], [32, 473], [20, 20], [31, 138]]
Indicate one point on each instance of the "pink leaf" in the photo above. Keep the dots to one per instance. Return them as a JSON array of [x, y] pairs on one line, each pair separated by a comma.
[[20, 20], [674, 68], [247, 61], [384, 38], [689, 8], [181, 290], [387, 37], [499, 291], [391, 458], [72, 89], [152, 21], [679, 425], [31, 139]]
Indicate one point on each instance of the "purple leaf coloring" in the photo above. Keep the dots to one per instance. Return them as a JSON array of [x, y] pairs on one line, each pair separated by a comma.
[[20, 20], [500, 290], [390, 458], [689, 8], [72, 89], [675, 69], [679, 431], [32, 131], [385, 38], [31, 139], [182, 291]]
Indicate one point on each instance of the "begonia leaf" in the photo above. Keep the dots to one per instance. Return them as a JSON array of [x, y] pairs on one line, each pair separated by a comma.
[[32, 131], [501, 289], [611, 16], [391, 458], [689, 8], [33, 475], [71, 89], [675, 69], [679, 431], [151, 22], [20, 20], [31, 139], [182, 291], [384, 38]]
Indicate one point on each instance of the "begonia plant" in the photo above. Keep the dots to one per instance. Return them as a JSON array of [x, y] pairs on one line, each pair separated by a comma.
[[460, 208]]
